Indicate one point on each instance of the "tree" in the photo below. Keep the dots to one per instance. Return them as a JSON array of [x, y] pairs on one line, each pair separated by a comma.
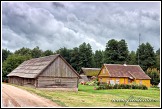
[[85, 58], [5, 54], [89, 54], [47, 53], [24, 51], [11, 63], [122, 51], [36, 52], [154, 74], [132, 58], [116, 52], [111, 53], [146, 56], [157, 65], [65, 53], [98, 58], [74, 60]]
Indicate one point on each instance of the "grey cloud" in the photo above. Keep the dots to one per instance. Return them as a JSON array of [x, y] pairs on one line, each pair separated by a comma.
[[51, 25], [58, 5]]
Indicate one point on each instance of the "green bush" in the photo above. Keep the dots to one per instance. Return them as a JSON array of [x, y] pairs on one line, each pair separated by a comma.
[[116, 86], [93, 83], [133, 86], [154, 86], [144, 87], [128, 86], [109, 86], [121, 86], [140, 87], [96, 82]]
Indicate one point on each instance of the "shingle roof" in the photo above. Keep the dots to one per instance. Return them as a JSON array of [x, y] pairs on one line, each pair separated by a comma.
[[33, 67], [133, 71], [90, 71]]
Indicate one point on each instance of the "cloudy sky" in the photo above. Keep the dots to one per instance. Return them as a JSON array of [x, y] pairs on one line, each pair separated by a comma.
[[53, 25]]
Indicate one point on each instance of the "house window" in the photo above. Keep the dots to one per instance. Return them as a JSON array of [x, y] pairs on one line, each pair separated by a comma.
[[112, 82], [117, 81], [140, 82]]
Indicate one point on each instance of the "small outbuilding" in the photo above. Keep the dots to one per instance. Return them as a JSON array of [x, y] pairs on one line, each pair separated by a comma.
[[88, 74], [45, 72]]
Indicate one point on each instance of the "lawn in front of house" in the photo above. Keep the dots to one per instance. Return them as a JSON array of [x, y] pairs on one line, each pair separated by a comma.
[[88, 97]]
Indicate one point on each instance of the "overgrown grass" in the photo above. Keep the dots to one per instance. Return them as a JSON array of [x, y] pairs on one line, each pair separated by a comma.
[[88, 97]]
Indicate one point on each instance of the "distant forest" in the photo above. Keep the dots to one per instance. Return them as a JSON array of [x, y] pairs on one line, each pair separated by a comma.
[[116, 52]]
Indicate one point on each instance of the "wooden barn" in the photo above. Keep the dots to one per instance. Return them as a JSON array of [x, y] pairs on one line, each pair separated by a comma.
[[45, 72], [123, 74], [88, 74]]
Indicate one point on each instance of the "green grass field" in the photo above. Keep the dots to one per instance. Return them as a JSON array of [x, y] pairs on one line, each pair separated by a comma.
[[88, 97]]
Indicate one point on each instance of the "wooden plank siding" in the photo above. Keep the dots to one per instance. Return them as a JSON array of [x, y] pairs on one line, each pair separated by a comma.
[[58, 69], [58, 74], [22, 81], [16, 80], [52, 82]]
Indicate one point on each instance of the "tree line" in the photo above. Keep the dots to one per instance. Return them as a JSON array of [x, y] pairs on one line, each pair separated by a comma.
[[116, 52]]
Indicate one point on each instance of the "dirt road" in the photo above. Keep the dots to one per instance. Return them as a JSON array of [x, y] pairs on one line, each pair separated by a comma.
[[16, 97]]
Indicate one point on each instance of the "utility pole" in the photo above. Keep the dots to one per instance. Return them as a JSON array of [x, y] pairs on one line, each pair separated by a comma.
[[138, 47]]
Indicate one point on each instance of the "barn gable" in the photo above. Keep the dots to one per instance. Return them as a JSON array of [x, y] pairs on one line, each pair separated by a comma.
[[59, 69]]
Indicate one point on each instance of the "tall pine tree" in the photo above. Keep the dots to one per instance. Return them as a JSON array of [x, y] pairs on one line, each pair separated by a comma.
[[85, 58], [74, 60], [146, 56], [116, 52], [98, 58], [132, 58]]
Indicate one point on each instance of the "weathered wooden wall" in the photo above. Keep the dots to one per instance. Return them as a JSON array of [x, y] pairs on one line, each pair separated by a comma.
[[29, 82], [57, 82], [15, 80], [21, 81], [58, 69], [58, 74]]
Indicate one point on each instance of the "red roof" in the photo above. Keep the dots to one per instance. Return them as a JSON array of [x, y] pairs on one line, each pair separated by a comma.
[[131, 71]]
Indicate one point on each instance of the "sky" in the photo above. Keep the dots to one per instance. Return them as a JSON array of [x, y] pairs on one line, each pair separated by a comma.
[[54, 25]]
